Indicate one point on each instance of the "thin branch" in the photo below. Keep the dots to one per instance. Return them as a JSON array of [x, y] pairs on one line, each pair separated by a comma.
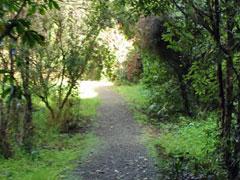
[[20, 10]]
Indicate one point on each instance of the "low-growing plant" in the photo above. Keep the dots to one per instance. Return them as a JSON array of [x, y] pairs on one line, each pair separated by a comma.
[[192, 148]]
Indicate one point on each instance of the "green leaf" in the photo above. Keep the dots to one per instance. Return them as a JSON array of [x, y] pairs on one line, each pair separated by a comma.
[[32, 10], [32, 38], [42, 10], [4, 71], [6, 92], [55, 4]]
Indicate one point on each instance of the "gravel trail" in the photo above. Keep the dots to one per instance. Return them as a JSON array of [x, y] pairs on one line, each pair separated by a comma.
[[121, 155]]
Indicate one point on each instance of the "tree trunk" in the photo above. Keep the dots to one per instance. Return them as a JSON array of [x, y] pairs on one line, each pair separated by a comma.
[[217, 38], [5, 147], [232, 164], [237, 136], [28, 126], [228, 120], [184, 94], [221, 97], [47, 104], [12, 78]]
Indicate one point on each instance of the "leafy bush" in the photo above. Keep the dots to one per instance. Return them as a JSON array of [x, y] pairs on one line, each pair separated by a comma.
[[203, 79], [164, 93]]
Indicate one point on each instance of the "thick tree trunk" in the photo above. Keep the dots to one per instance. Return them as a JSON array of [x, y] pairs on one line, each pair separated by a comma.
[[12, 77], [5, 148], [28, 125], [236, 155], [232, 164], [217, 38]]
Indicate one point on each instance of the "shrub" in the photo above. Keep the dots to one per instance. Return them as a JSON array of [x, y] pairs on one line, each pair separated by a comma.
[[164, 92]]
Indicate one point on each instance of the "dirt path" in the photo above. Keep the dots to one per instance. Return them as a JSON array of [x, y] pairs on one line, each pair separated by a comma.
[[121, 155]]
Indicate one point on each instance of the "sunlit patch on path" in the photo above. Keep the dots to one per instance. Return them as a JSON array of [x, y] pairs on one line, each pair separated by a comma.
[[88, 89]]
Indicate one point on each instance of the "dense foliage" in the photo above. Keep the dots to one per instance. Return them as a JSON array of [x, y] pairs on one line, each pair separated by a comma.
[[189, 51], [46, 47]]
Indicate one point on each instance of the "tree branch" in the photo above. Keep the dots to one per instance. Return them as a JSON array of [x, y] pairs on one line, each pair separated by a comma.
[[12, 23]]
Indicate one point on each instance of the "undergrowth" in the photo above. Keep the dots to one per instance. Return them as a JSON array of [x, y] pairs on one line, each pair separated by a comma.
[[184, 147], [55, 153]]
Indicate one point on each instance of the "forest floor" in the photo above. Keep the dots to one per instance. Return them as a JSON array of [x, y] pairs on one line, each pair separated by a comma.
[[121, 154]]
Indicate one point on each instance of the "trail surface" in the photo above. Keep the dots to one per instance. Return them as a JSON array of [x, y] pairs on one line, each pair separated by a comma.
[[121, 155]]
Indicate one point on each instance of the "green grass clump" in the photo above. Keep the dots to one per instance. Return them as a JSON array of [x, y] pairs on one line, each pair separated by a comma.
[[135, 94], [48, 163], [191, 145], [88, 107], [194, 139]]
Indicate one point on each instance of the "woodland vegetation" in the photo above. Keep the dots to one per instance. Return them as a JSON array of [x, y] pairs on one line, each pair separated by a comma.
[[185, 57]]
